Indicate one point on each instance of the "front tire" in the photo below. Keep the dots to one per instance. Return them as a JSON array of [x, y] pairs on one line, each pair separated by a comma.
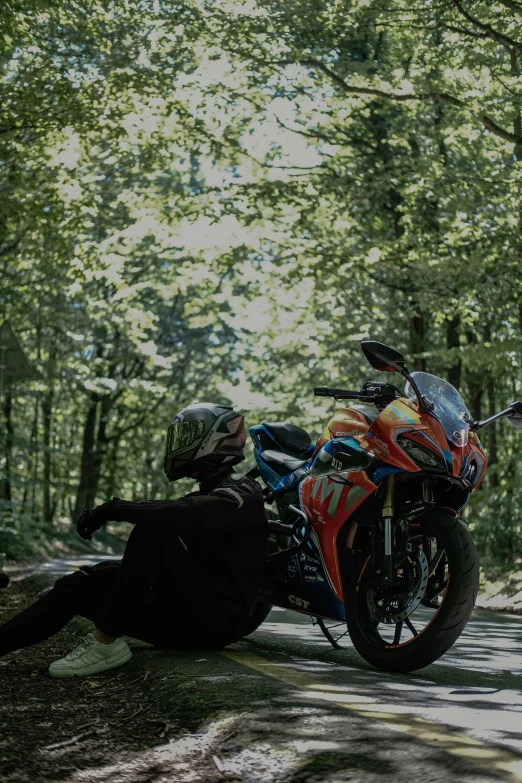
[[257, 618], [380, 641]]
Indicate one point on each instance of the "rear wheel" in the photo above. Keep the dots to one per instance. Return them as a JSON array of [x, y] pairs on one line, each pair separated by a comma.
[[336, 632], [413, 623]]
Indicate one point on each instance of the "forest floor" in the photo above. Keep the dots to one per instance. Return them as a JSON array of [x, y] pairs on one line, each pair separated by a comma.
[[52, 729]]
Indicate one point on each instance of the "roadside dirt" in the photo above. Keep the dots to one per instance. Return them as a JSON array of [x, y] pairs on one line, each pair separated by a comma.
[[52, 730], [501, 592]]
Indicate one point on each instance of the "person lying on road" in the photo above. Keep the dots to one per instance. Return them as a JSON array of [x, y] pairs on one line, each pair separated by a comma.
[[191, 569]]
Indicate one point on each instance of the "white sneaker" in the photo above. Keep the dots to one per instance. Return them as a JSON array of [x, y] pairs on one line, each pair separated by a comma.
[[90, 656]]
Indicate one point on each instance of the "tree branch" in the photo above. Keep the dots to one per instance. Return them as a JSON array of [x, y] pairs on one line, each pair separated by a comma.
[[309, 134], [143, 414], [501, 38], [438, 97], [513, 5], [463, 31]]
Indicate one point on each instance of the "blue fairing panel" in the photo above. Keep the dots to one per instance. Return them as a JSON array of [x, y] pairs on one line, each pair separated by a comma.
[[302, 584], [340, 455], [293, 479], [258, 430], [274, 481], [269, 476]]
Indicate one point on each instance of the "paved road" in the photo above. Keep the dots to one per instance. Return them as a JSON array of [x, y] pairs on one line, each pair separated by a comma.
[[285, 706], [469, 703]]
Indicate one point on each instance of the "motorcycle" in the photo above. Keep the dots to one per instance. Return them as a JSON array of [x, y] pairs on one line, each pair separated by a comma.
[[367, 539]]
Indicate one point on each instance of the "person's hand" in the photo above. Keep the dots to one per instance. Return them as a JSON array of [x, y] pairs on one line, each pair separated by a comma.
[[90, 521]]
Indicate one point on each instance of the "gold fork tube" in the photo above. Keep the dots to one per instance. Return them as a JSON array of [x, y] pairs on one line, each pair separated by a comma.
[[388, 509], [427, 491], [388, 512]]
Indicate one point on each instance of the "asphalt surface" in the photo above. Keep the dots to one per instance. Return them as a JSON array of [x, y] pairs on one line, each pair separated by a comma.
[[285, 706]]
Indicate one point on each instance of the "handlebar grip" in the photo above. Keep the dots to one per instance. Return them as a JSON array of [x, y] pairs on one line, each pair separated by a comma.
[[346, 393], [324, 391]]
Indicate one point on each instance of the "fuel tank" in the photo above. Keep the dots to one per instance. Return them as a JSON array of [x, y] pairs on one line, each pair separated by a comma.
[[348, 423]]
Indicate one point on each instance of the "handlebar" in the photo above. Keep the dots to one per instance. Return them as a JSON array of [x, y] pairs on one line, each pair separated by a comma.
[[376, 392], [345, 394]]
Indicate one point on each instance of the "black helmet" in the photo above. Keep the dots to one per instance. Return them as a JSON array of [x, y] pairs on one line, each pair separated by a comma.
[[204, 436]]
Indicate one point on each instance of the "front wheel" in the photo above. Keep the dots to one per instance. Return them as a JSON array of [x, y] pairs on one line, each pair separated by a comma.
[[413, 623], [257, 618]]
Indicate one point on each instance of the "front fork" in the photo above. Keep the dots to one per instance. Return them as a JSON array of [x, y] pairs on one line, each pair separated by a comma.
[[388, 513], [401, 536]]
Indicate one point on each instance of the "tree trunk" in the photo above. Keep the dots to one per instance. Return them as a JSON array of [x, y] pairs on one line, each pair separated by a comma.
[[475, 383], [111, 471], [47, 421], [102, 442], [31, 456], [8, 450], [36, 443], [47, 411], [453, 341], [417, 334], [492, 436], [476, 392], [85, 494]]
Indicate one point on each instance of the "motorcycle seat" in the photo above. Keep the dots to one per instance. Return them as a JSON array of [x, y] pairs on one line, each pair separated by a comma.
[[282, 463], [368, 411], [291, 438]]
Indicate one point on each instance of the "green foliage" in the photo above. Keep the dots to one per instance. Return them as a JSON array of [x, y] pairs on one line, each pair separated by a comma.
[[220, 199]]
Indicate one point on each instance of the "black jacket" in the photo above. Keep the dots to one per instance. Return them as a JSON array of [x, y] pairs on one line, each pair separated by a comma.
[[223, 526]]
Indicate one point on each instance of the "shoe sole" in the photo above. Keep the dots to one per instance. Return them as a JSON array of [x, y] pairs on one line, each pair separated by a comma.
[[104, 666]]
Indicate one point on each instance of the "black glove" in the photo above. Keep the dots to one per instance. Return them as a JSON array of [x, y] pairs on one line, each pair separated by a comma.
[[90, 521]]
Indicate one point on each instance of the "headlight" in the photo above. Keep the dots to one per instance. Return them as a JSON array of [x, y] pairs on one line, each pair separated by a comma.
[[423, 457]]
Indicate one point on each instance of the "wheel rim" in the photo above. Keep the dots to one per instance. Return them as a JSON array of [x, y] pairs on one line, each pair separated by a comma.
[[395, 618]]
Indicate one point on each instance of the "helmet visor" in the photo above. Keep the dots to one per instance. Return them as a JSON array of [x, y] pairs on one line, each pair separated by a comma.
[[183, 434]]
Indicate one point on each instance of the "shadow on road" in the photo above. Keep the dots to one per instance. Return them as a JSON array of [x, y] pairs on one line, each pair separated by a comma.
[[197, 716]]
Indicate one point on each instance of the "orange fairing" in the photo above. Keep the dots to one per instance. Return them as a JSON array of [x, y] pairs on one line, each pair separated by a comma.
[[397, 418], [328, 504], [402, 416]]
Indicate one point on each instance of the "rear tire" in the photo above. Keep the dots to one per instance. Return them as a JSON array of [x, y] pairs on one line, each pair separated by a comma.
[[450, 617]]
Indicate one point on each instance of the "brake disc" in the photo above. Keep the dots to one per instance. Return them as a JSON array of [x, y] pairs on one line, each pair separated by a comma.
[[393, 607]]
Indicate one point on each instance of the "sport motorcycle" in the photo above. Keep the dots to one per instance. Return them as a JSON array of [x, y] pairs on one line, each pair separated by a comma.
[[367, 538]]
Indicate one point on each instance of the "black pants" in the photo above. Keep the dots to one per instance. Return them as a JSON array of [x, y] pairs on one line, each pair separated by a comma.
[[157, 593]]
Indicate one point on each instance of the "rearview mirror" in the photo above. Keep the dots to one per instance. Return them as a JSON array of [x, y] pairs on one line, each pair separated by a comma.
[[516, 417], [382, 357]]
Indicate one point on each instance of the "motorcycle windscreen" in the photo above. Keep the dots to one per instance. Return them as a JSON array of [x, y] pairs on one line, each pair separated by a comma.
[[449, 407]]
